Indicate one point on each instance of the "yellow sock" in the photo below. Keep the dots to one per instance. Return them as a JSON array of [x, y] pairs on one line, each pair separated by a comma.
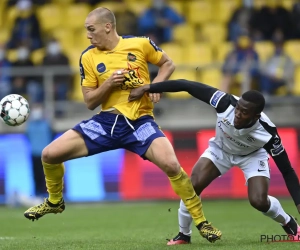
[[183, 187], [54, 174]]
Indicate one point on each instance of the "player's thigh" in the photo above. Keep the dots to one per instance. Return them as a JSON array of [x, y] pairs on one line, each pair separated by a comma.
[[218, 158], [68, 146], [162, 154], [257, 174], [258, 187], [203, 173]]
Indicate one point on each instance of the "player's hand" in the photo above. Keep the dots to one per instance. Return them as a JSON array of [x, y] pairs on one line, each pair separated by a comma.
[[298, 207], [117, 78], [155, 97], [137, 93]]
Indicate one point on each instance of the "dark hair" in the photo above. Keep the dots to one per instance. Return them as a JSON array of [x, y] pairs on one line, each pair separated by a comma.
[[256, 98]]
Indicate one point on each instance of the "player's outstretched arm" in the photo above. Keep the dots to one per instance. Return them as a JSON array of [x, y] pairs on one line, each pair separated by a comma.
[[198, 90], [275, 148], [166, 68]]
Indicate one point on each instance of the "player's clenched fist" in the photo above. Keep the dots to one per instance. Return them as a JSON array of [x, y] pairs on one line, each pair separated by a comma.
[[155, 97], [117, 78]]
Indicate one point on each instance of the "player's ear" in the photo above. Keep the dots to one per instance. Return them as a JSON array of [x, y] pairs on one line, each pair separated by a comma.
[[257, 116], [108, 27]]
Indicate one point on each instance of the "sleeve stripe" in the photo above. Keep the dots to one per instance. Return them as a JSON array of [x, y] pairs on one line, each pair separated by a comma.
[[81, 69]]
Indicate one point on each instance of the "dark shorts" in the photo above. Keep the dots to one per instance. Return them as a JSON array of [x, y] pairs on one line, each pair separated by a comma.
[[107, 131]]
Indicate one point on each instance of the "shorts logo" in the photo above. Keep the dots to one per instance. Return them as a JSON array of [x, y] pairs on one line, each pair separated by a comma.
[[144, 132], [213, 154], [262, 164], [215, 99], [92, 129], [101, 67], [131, 57]]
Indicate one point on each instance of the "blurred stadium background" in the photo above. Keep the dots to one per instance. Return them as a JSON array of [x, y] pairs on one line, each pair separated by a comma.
[[198, 45]]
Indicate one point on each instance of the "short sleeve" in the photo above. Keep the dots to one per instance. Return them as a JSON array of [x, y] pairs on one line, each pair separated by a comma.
[[88, 78], [152, 51]]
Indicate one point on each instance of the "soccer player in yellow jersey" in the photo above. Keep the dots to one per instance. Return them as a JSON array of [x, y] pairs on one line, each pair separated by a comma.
[[110, 68]]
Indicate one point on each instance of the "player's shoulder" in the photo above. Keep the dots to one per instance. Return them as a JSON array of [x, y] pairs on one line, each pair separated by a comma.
[[136, 38], [142, 40], [265, 119], [87, 51], [266, 124]]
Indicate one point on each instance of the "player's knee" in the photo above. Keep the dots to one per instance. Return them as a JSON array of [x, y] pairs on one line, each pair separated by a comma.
[[171, 167], [48, 155], [260, 203]]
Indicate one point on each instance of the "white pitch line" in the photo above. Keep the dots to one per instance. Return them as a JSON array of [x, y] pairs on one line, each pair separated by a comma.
[[7, 238]]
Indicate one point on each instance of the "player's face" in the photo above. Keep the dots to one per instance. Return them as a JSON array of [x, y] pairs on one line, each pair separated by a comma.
[[244, 114], [96, 32]]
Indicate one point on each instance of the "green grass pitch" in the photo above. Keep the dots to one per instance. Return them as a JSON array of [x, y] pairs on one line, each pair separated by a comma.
[[144, 225]]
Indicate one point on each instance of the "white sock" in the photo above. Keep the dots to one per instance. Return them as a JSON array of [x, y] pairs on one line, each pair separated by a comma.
[[276, 212], [184, 219]]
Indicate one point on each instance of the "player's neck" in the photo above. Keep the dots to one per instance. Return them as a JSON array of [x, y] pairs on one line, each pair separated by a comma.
[[112, 42], [250, 124]]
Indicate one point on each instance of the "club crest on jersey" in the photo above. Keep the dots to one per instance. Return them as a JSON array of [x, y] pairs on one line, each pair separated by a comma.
[[262, 164], [250, 139], [131, 57], [215, 99], [101, 67]]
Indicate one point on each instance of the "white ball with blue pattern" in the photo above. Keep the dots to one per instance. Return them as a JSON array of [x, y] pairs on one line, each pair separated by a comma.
[[14, 110]]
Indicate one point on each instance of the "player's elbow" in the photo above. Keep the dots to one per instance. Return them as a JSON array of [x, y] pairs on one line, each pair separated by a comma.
[[89, 103], [171, 66], [90, 106]]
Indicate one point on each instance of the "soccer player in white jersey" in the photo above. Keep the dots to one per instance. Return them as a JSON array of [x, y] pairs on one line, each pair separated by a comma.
[[245, 137]]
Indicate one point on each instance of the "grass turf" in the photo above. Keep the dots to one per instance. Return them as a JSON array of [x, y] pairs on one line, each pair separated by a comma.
[[137, 226]]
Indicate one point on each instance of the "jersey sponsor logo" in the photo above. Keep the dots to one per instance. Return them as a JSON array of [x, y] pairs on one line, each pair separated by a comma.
[[144, 132], [250, 139], [132, 78], [226, 122], [92, 129], [131, 57], [101, 67], [229, 137], [215, 99]]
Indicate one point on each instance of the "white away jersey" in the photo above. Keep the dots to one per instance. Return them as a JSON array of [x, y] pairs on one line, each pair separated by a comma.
[[262, 134]]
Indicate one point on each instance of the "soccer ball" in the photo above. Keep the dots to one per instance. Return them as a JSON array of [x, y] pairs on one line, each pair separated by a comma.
[[14, 110]]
